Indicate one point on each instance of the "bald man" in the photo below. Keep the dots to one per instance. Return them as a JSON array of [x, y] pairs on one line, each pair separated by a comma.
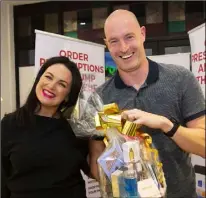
[[166, 99]]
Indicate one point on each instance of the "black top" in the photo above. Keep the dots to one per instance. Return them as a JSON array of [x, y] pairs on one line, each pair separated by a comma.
[[41, 162]]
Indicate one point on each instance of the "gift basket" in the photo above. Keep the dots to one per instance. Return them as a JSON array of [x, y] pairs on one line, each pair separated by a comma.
[[130, 166]]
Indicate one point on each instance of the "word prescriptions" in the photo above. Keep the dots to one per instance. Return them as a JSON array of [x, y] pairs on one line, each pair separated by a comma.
[[199, 60]]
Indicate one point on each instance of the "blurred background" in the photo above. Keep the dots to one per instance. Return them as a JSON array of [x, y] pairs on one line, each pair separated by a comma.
[[167, 25]]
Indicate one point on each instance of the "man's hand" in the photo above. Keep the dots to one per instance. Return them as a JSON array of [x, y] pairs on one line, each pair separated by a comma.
[[148, 119], [191, 138]]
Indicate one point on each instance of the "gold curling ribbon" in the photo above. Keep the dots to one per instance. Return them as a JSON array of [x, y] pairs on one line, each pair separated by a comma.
[[105, 142], [154, 157]]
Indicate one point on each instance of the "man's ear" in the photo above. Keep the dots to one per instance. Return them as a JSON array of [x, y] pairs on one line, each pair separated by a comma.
[[143, 32], [105, 41]]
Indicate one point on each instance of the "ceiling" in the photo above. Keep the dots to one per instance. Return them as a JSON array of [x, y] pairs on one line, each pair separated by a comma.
[[22, 2]]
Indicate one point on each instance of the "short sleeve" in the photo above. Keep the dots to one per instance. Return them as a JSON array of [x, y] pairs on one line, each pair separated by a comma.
[[192, 101]]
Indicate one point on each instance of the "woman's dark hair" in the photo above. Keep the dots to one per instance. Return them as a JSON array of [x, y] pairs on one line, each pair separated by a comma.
[[25, 114]]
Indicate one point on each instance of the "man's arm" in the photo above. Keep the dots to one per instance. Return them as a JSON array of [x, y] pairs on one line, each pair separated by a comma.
[[95, 150], [190, 138]]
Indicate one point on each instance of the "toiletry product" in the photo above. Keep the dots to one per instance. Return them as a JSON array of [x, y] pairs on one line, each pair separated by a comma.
[[117, 184], [130, 182], [131, 154], [131, 176], [111, 159], [147, 188], [105, 185]]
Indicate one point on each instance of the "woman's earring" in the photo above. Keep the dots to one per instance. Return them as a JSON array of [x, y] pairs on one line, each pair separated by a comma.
[[66, 99]]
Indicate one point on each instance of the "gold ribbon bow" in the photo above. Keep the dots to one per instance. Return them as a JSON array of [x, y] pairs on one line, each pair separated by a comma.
[[110, 116]]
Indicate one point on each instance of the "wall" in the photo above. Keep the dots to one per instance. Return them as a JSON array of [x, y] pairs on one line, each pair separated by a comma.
[[8, 88], [26, 79]]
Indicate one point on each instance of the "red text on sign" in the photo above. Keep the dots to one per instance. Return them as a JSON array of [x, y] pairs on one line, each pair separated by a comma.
[[88, 77], [202, 68], [89, 87], [74, 55], [199, 56], [90, 68], [201, 79], [42, 61]]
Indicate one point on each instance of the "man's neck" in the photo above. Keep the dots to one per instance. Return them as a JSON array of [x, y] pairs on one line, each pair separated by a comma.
[[137, 77]]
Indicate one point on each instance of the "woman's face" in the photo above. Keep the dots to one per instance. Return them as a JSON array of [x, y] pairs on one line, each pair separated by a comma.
[[54, 86]]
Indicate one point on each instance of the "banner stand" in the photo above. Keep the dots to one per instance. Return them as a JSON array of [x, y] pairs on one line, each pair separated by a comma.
[[198, 60]]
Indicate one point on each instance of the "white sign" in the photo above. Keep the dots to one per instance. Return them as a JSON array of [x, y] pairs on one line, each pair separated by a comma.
[[198, 57], [89, 58], [198, 53], [181, 59]]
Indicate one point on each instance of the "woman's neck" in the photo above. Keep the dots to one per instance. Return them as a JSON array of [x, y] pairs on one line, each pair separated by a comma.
[[47, 112]]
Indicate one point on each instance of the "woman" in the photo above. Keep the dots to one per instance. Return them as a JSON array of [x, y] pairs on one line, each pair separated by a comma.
[[40, 158]]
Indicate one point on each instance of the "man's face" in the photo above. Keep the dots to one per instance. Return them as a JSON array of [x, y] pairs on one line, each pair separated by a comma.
[[125, 39]]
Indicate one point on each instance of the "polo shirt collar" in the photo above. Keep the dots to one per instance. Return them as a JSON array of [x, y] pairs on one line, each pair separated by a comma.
[[152, 76]]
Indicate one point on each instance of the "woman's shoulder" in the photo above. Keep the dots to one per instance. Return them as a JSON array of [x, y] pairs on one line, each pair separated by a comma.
[[8, 126], [8, 119]]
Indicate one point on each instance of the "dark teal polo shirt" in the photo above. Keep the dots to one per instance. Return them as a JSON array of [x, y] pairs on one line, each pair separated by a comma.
[[170, 91]]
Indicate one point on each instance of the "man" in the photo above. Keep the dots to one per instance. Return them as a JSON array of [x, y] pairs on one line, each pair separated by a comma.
[[166, 99]]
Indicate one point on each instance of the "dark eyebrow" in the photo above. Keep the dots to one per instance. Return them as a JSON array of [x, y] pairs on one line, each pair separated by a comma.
[[59, 80], [64, 81]]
